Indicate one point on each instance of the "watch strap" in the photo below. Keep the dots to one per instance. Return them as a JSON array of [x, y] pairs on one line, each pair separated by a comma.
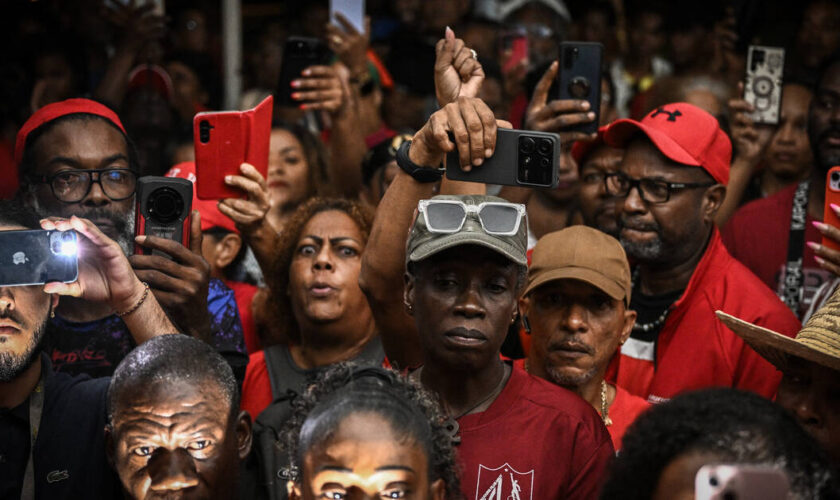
[[419, 173]]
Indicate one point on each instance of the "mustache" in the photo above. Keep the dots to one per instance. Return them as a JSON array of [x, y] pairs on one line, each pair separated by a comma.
[[13, 315], [631, 222], [831, 131], [571, 346]]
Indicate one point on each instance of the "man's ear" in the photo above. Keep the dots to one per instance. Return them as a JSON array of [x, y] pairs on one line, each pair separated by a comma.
[[438, 490], [54, 302], [408, 293], [712, 200], [627, 329], [244, 436], [227, 249], [110, 451]]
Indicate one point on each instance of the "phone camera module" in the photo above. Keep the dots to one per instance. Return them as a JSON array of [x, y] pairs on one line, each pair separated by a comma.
[[579, 87], [204, 128], [165, 205], [544, 147], [527, 145]]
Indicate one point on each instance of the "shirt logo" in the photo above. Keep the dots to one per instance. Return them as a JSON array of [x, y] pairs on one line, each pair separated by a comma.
[[672, 115], [504, 483], [57, 475]]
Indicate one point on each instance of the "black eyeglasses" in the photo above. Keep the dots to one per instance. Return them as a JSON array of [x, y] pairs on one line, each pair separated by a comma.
[[71, 186], [651, 190]]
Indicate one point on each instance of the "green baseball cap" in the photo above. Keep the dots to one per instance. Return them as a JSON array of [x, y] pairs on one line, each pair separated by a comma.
[[423, 243]]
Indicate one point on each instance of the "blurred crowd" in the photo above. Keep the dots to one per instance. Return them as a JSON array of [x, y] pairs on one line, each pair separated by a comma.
[[662, 321]]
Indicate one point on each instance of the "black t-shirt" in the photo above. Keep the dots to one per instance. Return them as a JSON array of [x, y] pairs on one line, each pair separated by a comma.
[[69, 456], [648, 309]]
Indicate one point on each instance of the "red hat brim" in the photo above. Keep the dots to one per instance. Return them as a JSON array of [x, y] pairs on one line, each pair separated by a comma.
[[621, 131]]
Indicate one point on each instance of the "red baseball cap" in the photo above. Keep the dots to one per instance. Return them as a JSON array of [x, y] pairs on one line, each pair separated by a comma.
[[56, 110], [210, 214], [580, 149], [684, 133]]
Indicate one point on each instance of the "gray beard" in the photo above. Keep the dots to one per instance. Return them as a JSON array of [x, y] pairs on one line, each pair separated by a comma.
[[651, 251], [125, 227], [11, 366], [557, 377]]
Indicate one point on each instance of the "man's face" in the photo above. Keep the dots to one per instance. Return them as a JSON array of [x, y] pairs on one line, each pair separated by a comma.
[[819, 33], [463, 300], [668, 232], [24, 311], [84, 145], [597, 207], [176, 439], [575, 330], [647, 37], [788, 155], [811, 393], [824, 120]]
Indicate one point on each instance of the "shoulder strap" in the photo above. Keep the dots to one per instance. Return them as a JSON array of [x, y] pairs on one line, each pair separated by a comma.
[[790, 291]]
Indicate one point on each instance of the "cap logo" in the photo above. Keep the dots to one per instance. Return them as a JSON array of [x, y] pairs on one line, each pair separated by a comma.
[[672, 115]]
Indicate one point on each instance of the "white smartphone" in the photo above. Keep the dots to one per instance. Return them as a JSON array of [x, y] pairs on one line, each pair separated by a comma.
[[740, 482], [353, 10]]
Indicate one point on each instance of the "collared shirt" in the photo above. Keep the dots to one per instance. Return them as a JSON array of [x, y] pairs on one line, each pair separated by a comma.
[[69, 456], [694, 350]]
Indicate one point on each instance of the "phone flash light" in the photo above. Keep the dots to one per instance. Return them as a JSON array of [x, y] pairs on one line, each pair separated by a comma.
[[69, 248]]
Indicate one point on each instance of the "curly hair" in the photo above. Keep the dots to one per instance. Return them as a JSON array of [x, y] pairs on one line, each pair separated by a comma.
[[284, 326], [734, 426], [345, 389]]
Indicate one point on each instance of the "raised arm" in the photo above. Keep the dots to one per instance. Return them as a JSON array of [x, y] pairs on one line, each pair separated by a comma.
[[383, 265], [106, 276]]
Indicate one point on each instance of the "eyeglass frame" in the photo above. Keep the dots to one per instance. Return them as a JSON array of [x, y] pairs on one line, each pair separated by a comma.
[[636, 183], [476, 209], [48, 180]]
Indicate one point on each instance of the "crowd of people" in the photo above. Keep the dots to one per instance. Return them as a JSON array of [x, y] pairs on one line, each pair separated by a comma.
[[356, 324]]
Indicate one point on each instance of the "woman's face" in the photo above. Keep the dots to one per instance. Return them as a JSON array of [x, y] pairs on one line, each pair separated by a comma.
[[365, 459], [324, 273], [288, 170]]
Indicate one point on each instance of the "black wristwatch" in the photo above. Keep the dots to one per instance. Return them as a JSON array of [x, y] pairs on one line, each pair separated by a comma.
[[420, 174]]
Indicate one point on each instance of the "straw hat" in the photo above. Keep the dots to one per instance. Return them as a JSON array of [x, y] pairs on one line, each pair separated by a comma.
[[818, 341]]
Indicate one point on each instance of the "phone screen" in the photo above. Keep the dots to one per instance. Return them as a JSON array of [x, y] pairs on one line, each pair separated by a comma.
[[353, 10], [35, 257]]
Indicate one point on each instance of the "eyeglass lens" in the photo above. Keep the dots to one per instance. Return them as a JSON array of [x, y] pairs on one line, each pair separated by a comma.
[[74, 185]]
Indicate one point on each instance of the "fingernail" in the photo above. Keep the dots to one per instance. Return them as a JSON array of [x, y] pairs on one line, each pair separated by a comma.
[[488, 153], [478, 161], [447, 30], [819, 225], [835, 207], [295, 95], [295, 83], [306, 72], [813, 246], [819, 260], [584, 105], [590, 115], [140, 239], [302, 106], [228, 178]]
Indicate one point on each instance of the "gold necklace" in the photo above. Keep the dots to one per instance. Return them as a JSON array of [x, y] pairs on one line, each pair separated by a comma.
[[605, 415]]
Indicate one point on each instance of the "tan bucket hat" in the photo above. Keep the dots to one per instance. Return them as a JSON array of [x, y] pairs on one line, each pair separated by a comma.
[[818, 341]]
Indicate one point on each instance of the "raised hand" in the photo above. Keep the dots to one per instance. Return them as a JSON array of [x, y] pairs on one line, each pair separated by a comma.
[[471, 124], [319, 88], [247, 214], [348, 44], [557, 115], [457, 71]]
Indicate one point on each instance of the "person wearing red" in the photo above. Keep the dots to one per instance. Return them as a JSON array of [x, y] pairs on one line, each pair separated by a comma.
[[778, 237], [223, 249], [670, 185], [463, 269], [576, 309]]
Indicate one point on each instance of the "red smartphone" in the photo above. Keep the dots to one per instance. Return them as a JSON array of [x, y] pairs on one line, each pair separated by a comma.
[[832, 195], [514, 50], [226, 139]]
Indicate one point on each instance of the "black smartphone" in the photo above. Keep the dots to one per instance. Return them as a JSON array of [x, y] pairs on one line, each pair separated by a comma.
[[522, 158], [579, 77], [299, 53], [163, 210], [35, 257]]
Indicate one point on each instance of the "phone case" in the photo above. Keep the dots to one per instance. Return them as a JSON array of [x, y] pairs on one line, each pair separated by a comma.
[[35, 257], [832, 195], [522, 158], [299, 53], [763, 85], [579, 77], [163, 210], [223, 141]]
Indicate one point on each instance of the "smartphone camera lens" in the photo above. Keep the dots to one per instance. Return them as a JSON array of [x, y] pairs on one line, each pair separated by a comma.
[[545, 162], [165, 205], [204, 131], [544, 147], [835, 176], [527, 145]]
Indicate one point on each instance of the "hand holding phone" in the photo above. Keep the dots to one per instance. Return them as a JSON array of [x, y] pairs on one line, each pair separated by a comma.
[[163, 210], [763, 86], [299, 53], [224, 141], [564, 117], [580, 78]]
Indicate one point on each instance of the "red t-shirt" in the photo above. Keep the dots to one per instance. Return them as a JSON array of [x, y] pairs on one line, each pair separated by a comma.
[[694, 349], [758, 235], [244, 295], [623, 412], [256, 388], [536, 441]]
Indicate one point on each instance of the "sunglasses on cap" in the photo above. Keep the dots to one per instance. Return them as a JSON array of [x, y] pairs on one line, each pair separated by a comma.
[[448, 216]]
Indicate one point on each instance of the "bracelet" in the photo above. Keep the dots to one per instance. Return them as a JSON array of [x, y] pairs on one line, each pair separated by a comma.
[[138, 304]]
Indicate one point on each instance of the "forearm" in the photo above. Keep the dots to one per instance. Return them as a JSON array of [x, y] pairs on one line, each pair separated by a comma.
[[347, 150], [112, 87], [263, 242], [148, 320], [739, 178]]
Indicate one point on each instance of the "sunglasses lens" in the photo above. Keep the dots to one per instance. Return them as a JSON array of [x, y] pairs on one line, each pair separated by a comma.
[[445, 217], [499, 218]]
